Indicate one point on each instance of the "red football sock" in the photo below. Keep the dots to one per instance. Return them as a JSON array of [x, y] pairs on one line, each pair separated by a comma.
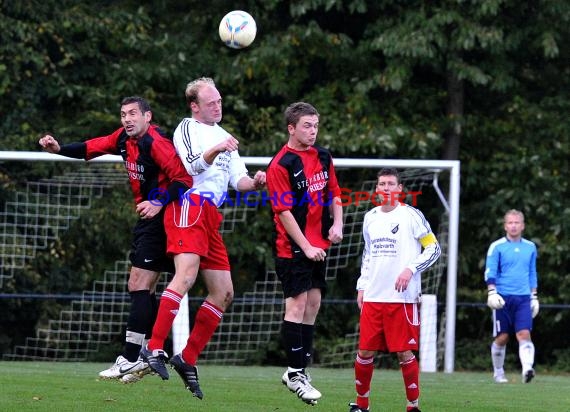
[[363, 369], [411, 375], [207, 320], [169, 305]]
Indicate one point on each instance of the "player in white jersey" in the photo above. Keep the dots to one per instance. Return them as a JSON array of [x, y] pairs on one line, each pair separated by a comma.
[[511, 278], [192, 225], [398, 246], [193, 139]]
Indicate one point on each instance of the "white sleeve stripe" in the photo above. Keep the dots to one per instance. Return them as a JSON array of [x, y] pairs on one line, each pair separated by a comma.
[[186, 139], [421, 218], [431, 259]]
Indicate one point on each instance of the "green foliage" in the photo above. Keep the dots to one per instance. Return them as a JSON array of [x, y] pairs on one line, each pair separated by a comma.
[[562, 363], [525, 169]]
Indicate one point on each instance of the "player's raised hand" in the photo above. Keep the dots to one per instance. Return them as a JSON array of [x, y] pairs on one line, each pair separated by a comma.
[[259, 180], [49, 144], [229, 145]]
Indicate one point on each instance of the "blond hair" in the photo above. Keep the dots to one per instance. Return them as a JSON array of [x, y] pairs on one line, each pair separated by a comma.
[[194, 87], [514, 212]]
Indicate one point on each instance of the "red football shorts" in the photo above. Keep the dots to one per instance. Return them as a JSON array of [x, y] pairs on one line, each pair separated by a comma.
[[389, 327], [192, 225]]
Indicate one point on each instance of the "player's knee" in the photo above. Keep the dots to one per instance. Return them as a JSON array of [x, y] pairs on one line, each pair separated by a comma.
[[366, 353], [405, 356], [523, 335], [221, 297], [228, 298], [501, 339], [313, 306], [140, 279]]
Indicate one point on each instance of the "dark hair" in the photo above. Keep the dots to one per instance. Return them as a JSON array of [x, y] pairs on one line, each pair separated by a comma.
[[143, 104], [294, 112], [389, 171]]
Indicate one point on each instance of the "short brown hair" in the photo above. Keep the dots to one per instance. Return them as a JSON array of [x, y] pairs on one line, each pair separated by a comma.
[[296, 110], [389, 171]]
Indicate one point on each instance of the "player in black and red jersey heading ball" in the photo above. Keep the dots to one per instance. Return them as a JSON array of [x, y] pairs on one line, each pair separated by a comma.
[[157, 176], [305, 198]]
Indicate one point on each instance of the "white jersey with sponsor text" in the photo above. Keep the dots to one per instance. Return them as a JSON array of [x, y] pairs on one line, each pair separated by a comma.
[[192, 139], [392, 243]]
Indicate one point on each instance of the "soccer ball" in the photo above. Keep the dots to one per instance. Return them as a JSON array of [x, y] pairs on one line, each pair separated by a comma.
[[237, 29]]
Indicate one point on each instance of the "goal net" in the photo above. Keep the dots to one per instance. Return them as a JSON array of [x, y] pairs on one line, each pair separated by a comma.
[[34, 214]]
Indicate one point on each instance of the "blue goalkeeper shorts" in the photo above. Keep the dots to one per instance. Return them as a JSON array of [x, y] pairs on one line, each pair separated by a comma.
[[516, 315]]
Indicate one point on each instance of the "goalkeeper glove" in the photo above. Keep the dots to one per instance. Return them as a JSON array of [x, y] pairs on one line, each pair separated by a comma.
[[534, 306], [494, 300]]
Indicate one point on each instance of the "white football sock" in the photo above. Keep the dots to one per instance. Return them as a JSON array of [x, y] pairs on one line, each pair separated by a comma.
[[526, 354], [498, 358]]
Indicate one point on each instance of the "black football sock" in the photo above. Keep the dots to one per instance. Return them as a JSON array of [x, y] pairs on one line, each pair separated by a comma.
[[293, 342], [140, 315]]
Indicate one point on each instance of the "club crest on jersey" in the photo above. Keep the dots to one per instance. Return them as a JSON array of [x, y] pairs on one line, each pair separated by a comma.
[[394, 227]]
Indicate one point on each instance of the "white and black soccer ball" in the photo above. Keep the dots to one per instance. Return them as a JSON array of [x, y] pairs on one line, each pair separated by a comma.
[[237, 29]]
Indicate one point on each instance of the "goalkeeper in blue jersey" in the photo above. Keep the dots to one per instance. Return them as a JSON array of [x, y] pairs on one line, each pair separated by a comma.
[[511, 278]]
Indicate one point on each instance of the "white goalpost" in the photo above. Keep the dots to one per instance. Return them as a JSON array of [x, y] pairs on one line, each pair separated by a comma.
[[38, 212]]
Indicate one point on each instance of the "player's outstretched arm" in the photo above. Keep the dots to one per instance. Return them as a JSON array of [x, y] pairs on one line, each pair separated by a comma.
[[74, 150], [49, 144], [247, 183]]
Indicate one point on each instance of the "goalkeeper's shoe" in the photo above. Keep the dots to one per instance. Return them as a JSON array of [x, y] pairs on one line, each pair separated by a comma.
[[189, 375], [528, 376], [122, 367], [355, 408], [500, 379], [298, 383], [156, 360]]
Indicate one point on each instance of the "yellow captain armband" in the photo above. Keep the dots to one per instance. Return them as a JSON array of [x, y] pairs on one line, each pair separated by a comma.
[[428, 239]]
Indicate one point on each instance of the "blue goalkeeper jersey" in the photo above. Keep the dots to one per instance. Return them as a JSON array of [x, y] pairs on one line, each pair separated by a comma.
[[511, 266]]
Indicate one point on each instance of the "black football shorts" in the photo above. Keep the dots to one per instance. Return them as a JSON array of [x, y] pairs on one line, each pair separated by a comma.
[[148, 250], [300, 274]]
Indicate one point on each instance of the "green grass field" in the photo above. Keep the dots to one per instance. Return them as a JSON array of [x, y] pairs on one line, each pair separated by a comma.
[[47, 386]]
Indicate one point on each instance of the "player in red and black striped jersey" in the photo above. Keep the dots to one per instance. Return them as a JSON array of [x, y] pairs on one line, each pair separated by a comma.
[[305, 198], [157, 177]]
